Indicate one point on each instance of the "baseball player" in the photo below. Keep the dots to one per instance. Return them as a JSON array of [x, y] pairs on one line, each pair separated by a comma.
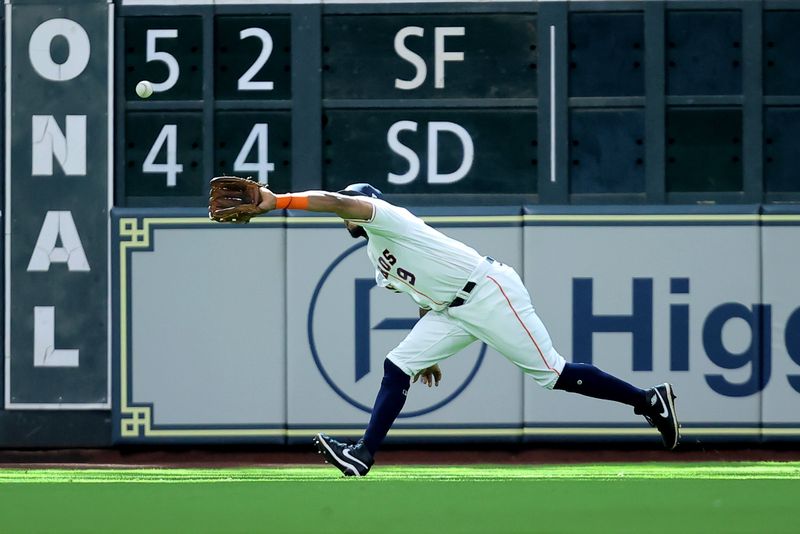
[[463, 297]]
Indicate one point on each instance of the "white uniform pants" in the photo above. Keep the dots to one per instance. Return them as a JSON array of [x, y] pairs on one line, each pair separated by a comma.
[[499, 313]]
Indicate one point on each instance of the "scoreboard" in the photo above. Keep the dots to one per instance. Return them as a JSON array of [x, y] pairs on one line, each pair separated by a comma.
[[407, 97]]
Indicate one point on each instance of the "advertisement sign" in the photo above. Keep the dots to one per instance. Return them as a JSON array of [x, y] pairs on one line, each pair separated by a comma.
[[652, 299]]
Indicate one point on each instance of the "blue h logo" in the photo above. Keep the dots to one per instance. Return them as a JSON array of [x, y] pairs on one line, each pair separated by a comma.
[[639, 323]]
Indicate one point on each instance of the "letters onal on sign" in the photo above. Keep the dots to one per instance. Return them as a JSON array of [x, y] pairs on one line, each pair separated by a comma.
[[67, 146]]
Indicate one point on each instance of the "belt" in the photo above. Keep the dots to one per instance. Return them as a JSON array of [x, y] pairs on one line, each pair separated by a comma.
[[466, 290]]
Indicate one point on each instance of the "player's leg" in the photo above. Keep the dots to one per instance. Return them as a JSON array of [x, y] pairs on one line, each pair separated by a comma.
[[517, 332], [434, 338], [389, 402]]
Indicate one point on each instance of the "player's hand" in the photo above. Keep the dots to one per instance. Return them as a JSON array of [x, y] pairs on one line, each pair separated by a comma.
[[430, 376], [268, 200]]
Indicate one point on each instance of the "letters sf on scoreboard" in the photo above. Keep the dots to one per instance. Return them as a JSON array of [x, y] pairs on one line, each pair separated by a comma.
[[433, 56]]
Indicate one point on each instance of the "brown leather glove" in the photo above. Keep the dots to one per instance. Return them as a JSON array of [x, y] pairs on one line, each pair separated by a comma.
[[234, 199]]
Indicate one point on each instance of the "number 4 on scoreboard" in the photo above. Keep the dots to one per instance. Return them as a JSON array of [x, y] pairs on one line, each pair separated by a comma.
[[257, 139], [168, 135]]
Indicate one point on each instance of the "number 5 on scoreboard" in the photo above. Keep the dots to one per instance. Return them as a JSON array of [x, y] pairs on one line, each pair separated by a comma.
[[165, 57], [169, 137]]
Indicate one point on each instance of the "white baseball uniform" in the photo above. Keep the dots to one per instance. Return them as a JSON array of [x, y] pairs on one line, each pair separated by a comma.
[[435, 270]]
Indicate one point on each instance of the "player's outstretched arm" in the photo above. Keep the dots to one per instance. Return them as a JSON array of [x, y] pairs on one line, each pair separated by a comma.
[[344, 206], [237, 200]]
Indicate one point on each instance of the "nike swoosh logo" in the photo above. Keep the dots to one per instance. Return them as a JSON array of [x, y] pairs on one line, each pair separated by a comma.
[[347, 454], [339, 460], [665, 413]]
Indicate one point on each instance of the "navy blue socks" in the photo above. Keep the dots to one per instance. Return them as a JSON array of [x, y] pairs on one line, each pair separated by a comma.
[[588, 380], [390, 400], [576, 378]]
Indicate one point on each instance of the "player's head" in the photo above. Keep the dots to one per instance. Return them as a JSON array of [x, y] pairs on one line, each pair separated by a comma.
[[359, 190], [362, 190]]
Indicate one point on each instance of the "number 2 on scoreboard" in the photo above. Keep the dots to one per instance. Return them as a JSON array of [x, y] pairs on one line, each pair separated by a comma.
[[246, 82]]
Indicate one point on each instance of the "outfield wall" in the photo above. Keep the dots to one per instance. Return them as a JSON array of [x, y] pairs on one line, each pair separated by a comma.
[[623, 102], [273, 331]]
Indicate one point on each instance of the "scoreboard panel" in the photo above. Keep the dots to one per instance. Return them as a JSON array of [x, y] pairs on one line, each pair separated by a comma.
[[549, 59], [429, 56], [392, 84], [255, 143], [222, 103], [430, 103], [252, 58], [167, 51], [432, 150], [164, 154]]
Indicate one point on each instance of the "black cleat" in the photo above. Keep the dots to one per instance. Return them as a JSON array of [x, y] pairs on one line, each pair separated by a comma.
[[660, 413], [352, 459]]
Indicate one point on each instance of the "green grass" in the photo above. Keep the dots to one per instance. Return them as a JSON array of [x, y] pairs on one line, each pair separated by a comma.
[[703, 497]]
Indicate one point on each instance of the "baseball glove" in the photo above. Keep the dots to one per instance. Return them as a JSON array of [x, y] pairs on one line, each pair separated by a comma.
[[234, 199]]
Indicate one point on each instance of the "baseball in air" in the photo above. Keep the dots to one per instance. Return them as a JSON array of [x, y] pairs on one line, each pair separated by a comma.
[[144, 89]]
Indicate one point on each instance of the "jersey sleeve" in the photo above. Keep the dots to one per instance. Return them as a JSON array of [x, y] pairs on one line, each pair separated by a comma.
[[386, 218]]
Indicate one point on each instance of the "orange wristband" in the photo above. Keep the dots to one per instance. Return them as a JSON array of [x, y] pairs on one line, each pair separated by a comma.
[[291, 201]]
